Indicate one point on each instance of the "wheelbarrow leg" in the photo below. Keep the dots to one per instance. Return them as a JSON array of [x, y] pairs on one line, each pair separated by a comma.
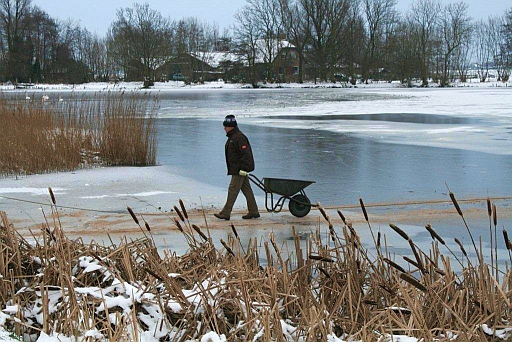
[[267, 195], [273, 208]]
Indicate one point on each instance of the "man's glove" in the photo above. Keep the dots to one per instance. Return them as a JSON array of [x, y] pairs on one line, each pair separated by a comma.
[[243, 173]]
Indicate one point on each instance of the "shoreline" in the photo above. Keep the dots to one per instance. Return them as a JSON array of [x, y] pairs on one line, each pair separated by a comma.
[[94, 202], [413, 215], [107, 192], [178, 85]]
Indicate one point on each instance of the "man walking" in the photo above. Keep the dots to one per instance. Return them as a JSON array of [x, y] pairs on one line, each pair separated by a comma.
[[240, 161]]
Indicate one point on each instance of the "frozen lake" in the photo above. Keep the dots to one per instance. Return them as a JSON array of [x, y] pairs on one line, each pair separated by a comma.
[[381, 145], [384, 145]]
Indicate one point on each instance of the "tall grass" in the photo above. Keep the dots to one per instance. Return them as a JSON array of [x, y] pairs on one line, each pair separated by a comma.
[[313, 293], [111, 129]]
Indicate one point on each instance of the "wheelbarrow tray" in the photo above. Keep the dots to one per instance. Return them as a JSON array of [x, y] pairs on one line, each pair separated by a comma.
[[285, 187]]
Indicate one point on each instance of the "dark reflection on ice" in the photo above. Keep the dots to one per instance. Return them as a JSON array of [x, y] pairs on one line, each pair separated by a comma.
[[391, 117], [201, 101]]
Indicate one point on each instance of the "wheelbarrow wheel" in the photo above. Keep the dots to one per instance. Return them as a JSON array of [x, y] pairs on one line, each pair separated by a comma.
[[299, 205]]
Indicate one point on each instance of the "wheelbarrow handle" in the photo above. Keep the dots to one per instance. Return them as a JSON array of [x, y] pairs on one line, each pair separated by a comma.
[[256, 181], [253, 177]]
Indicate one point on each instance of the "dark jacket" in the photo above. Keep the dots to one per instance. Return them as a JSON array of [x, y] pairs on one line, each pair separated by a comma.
[[238, 152]]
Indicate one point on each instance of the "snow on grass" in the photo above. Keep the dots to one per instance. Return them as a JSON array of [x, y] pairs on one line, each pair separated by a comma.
[[122, 297], [179, 85]]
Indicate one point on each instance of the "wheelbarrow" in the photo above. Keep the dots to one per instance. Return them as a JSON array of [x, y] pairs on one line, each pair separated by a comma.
[[288, 189]]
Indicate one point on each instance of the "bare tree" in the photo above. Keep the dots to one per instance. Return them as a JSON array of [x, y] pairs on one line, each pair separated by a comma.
[[181, 46], [194, 43], [200, 42], [94, 56], [141, 37], [3, 51], [326, 19], [246, 35], [462, 59], [379, 14], [353, 46], [67, 64], [14, 16], [294, 22], [271, 33], [497, 40], [481, 47], [403, 51], [424, 16], [507, 44], [455, 29], [224, 42], [44, 36], [264, 16], [187, 41]]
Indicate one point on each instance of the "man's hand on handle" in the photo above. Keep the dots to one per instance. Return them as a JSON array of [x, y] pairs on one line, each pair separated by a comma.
[[243, 173]]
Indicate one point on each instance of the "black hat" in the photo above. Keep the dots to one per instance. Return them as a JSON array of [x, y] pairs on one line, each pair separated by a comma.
[[229, 121]]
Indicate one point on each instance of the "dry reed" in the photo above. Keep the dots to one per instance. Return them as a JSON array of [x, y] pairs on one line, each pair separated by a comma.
[[314, 293], [110, 129]]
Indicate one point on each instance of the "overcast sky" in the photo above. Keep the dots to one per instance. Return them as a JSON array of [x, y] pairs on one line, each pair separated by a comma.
[[97, 15]]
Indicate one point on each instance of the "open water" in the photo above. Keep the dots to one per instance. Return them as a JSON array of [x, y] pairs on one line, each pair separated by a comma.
[[345, 166]]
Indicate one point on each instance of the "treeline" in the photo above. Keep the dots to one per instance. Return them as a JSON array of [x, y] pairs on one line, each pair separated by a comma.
[[345, 40]]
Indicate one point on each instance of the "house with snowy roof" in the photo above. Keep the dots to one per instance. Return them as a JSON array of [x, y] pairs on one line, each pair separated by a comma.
[[272, 60], [277, 60], [219, 65]]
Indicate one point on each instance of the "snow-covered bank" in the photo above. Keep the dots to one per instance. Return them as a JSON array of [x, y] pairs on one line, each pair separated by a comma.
[[179, 85], [106, 190]]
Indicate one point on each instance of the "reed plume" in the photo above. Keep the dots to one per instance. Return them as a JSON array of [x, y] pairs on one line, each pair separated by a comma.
[[399, 231], [494, 215], [508, 244], [461, 246], [132, 214], [52, 196], [456, 204], [342, 217], [459, 211], [414, 282], [394, 265], [228, 249], [233, 229], [198, 230], [178, 225], [183, 209], [182, 218], [433, 234], [364, 209]]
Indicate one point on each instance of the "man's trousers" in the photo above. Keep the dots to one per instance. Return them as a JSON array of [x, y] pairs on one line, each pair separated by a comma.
[[236, 184]]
